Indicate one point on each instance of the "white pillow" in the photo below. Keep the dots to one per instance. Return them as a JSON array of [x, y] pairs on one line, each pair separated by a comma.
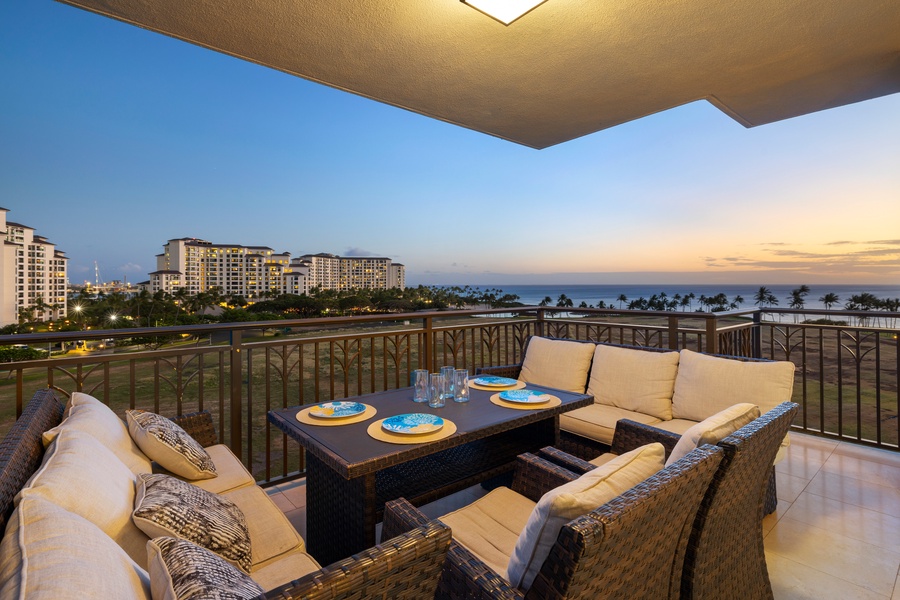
[[708, 384], [182, 570], [714, 429], [557, 364], [168, 444], [638, 380], [86, 413], [574, 499], [49, 552]]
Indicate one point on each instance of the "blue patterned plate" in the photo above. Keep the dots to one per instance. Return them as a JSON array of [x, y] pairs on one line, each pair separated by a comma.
[[524, 396], [494, 381], [413, 423], [337, 410]]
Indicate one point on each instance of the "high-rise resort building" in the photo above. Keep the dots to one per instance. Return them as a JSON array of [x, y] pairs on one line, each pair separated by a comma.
[[250, 271], [32, 275]]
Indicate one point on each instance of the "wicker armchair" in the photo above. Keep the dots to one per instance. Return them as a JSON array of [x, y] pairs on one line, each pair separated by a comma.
[[631, 547]]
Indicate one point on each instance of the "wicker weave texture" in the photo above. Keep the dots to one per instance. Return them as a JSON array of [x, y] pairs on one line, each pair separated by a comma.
[[200, 426], [511, 371]]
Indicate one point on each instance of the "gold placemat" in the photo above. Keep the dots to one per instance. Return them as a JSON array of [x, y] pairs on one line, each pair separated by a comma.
[[553, 401], [519, 385], [376, 431], [304, 417]]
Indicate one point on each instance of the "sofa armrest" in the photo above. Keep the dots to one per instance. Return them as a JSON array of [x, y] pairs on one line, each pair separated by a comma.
[[199, 425], [533, 476], [630, 435], [565, 460], [511, 371], [400, 516]]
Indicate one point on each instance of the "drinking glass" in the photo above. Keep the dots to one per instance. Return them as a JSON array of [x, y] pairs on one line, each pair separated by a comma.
[[421, 384], [447, 372], [436, 391], [461, 385]]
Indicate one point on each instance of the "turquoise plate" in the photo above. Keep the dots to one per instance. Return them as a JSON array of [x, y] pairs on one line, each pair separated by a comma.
[[413, 424], [494, 381], [525, 396], [337, 410]]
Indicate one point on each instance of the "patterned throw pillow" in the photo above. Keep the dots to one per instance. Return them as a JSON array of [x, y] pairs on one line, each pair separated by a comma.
[[169, 445], [183, 570], [166, 506]]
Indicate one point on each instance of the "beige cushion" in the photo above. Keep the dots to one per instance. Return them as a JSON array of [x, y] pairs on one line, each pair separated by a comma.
[[271, 534], [558, 364], [86, 413], [167, 443], [714, 429], [232, 473], [678, 426], [48, 552], [638, 380], [285, 569], [574, 499], [490, 526], [182, 570], [603, 459], [82, 476], [598, 421], [166, 506], [707, 384]]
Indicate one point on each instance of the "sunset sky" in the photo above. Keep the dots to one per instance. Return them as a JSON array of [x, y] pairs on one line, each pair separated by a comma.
[[114, 139]]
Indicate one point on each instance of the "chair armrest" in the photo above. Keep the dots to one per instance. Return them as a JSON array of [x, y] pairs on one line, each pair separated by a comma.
[[533, 476], [565, 460], [511, 371], [199, 425], [400, 516], [630, 435]]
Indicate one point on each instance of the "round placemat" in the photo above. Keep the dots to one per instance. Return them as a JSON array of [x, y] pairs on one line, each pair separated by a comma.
[[553, 401], [304, 417], [519, 385], [376, 431]]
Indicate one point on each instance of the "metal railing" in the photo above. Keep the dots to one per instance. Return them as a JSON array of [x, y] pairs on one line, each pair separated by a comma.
[[846, 382]]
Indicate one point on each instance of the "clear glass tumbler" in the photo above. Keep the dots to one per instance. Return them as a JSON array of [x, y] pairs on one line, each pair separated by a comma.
[[436, 391], [447, 372], [420, 381], [461, 385]]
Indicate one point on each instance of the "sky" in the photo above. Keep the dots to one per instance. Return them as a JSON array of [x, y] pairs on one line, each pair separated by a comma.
[[114, 140]]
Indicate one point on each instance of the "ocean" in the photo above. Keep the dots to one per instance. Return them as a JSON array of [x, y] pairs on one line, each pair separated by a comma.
[[592, 294]]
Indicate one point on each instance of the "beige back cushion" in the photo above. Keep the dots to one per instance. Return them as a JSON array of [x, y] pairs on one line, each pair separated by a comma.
[[558, 364], [574, 499], [714, 429], [638, 380], [708, 384]]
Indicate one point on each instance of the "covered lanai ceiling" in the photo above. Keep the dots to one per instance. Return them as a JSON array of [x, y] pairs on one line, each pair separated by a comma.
[[568, 68]]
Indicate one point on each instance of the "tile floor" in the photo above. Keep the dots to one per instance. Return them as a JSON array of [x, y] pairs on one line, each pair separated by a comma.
[[835, 534]]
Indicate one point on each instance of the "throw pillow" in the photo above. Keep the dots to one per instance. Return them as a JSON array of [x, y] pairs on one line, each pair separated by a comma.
[[636, 380], [714, 429], [166, 506], [169, 445], [574, 499], [182, 570], [558, 364]]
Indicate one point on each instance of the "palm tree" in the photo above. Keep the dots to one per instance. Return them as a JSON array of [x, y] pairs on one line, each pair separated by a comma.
[[829, 300], [564, 301], [546, 301], [761, 297], [622, 299]]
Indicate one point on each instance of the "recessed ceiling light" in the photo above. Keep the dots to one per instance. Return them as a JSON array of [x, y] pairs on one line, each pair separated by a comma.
[[505, 11]]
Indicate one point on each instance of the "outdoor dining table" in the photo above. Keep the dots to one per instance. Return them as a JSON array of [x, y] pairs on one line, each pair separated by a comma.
[[350, 475]]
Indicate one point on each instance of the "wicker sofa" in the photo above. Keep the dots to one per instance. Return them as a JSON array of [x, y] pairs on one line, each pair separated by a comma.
[[68, 527]]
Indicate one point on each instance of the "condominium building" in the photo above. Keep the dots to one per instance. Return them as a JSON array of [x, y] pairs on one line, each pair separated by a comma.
[[250, 271], [32, 275]]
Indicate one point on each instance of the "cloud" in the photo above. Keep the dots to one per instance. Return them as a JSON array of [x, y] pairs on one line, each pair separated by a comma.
[[358, 252], [131, 268]]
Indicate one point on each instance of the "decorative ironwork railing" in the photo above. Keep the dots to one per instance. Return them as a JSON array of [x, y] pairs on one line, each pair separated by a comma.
[[847, 381]]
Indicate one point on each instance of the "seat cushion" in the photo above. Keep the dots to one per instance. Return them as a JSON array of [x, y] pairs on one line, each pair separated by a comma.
[[678, 426], [714, 429], [168, 444], [82, 476], [231, 472], [490, 526], [182, 570], [166, 506], [598, 421], [86, 413], [638, 380], [559, 364], [708, 384], [284, 569], [574, 499], [603, 459], [49, 552], [271, 534]]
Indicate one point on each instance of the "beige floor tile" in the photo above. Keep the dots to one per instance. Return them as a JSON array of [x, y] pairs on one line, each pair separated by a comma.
[[794, 581], [862, 468], [853, 521], [862, 564], [886, 457], [297, 517], [856, 491], [780, 511], [896, 595], [283, 504], [789, 486], [296, 493], [812, 441], [804, 460]]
